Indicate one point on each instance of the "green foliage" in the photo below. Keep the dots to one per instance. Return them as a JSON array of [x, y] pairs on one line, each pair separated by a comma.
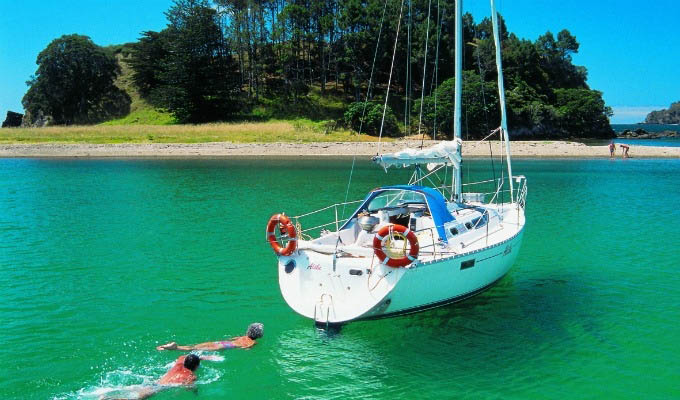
[[291, 59], [365, 117], [480, 107], [144, 116], [583, 113], [74, 83], [187, 68], [529, 113], [555, 60]]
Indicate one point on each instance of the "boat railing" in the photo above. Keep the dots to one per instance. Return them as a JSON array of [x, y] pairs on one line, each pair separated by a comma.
[[439, 252], [499, 193], [333, 213], [521, 190]]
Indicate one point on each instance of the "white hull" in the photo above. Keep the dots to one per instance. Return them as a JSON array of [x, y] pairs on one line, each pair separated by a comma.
[[353, 287]]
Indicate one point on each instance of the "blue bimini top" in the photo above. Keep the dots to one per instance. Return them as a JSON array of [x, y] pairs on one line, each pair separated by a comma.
[[435, 202]]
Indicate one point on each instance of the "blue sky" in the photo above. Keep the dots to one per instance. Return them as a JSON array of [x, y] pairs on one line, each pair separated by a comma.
[[631, 48]]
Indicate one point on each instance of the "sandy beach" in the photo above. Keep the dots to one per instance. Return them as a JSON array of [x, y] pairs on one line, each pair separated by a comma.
[[526, 149]]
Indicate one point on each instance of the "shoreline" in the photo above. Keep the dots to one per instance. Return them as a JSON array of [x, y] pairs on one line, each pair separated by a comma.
[[520, 149]]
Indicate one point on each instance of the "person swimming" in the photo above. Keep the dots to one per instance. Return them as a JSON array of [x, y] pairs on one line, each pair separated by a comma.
[[254, 332], [182, 373]]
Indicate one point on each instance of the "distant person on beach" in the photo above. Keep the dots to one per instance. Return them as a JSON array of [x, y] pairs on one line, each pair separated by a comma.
[[624, 150], [254, 332], [182, 373], [612, 149]]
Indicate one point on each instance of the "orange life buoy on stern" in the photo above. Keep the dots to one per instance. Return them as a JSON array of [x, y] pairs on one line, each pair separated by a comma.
[[387, 233], [286, 227]]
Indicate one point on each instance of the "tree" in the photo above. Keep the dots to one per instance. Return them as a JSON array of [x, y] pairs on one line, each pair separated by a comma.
[[187, 68], [74, 83], [148, 56], [480, 107], [583, 113], [555, 60], [367, 117]]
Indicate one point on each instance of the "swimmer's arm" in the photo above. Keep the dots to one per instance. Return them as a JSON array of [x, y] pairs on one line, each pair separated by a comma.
[[211, 358]]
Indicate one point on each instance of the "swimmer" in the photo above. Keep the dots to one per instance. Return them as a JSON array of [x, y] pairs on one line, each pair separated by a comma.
[[254, 332], [182, 373]]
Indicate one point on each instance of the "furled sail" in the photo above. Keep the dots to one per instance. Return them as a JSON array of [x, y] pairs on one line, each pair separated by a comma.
[[444, 153]]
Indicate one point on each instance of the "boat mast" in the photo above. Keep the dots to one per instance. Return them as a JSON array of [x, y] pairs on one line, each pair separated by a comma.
[[458, 192], [501, 92]]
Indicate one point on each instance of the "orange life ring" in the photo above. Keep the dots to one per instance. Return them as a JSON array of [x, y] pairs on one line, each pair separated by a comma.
[[286, 227], [387, 232]]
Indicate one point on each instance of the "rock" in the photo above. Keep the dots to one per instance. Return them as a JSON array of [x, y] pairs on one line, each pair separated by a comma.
[[39, 121], [643, 134], [13, 120]]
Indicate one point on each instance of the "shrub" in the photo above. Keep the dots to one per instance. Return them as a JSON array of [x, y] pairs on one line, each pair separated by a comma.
[[372, 118]]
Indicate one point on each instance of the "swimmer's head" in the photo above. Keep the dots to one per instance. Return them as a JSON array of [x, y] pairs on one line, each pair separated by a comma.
[[255, 330], [191, 362]]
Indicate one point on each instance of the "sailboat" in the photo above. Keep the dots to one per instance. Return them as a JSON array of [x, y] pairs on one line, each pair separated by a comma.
[[406, 248]]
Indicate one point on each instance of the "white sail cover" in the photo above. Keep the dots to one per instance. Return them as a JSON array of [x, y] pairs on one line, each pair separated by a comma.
[[443, 153]]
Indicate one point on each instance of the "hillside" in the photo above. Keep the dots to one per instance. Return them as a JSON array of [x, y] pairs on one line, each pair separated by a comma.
[[669, 116], [322, 109], [141, 112], [194, 72]]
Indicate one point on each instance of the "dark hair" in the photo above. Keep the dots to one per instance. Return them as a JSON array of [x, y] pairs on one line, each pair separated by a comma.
[[255, 330], [191, 362]]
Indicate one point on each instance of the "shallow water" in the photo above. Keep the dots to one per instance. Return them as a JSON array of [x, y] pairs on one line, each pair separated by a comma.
[[663, 142], [102, 260]]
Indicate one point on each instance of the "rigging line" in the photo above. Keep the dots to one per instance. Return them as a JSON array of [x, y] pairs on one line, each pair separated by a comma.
[[422, 88], [486, 112], [408, 66], [363, 112], [436, 68], [493, 132], [409, 70], [389, 81]]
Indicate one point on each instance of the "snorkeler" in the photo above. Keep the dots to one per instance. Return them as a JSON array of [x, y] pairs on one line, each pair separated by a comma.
[[182, 373], [254, 332]]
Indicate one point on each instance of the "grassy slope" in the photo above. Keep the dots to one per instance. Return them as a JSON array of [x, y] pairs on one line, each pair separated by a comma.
[[306, 120], [141, 112], [249, 132]]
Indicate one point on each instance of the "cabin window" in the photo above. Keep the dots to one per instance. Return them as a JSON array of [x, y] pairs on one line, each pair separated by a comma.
[[480, 221], [395, 198], [467, 264], [454, 231]]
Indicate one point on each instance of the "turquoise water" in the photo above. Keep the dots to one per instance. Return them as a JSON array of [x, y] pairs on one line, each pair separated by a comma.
[[665, 142], [101, 260], [618, 128]]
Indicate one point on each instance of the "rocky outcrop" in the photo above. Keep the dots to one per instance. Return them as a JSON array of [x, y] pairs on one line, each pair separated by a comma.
[[669, 116], [38, 121], [13, 120], [643, 134]]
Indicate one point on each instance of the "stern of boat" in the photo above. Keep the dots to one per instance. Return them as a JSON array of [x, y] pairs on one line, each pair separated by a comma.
[[333, 290]]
